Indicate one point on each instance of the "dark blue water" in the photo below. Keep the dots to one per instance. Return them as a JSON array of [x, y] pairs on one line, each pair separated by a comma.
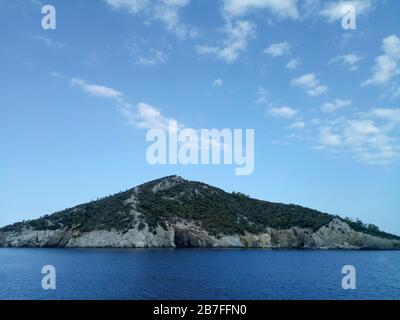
[[198, 274]]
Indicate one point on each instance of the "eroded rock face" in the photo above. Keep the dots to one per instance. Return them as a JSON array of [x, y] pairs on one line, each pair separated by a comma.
[[290, 238], [32, 238], [167, 183], [3, 237], [182, 234], [189, 238], [134, 238], [338, 235]]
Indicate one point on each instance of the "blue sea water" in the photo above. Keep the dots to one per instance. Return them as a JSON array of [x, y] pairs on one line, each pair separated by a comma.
[[198, 274]]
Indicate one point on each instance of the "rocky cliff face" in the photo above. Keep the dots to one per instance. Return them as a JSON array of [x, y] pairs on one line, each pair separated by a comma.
[[133, 229], [336, 235]]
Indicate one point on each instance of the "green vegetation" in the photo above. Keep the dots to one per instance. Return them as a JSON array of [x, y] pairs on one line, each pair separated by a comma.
[[220, 212], [215, 210], [371, 229]]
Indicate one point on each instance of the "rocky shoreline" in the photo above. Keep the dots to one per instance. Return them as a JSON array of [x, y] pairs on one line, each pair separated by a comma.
[[336, 235]]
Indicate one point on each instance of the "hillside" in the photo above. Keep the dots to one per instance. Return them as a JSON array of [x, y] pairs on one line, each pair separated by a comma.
[[173, 212]]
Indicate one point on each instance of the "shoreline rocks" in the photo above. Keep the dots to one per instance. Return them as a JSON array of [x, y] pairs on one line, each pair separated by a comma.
[[183, 234]]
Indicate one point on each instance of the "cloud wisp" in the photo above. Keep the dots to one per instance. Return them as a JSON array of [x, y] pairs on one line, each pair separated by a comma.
[[369, 138], [279, 8], [278, 49], [349, 61], [237, 34], [293, 64], [282, 112], [239, 29], [96, 90], [386, 65], [218, 83], [310, 84], [335, 105], [165, 11]]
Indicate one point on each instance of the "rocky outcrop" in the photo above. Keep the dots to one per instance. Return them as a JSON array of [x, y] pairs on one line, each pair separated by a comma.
[[338, 235], [183, 234], [166, 184], [31, 238]]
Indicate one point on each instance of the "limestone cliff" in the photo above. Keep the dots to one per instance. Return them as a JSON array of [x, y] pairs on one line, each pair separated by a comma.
[[336, 235]]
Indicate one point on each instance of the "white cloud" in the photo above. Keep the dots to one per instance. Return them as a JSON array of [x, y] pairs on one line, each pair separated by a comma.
[[348, 61], [386, 65], [370, 138], [388, 114], [165, 11], [335, 105], [327, 138], [282, 112], [332, 11], [133, 6], [149, 117], [56, 75], [142, 52], [168, 12], [391, 116], [238, 34], [309, 8], [361, 127], [155, 57], [280, 8], [218, 83], [297, 125], [96, 90], [293, 64], [278, 49], [238, 31], [146, 117], [310, 83], [308, 80], [318, 90]]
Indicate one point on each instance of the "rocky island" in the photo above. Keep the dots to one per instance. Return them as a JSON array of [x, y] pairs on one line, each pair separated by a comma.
[[175, 213]]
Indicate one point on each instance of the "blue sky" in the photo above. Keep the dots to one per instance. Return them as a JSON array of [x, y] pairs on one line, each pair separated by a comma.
[[75, 102]]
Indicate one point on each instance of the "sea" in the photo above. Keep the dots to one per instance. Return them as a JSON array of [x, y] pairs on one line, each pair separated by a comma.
[[201, 274]]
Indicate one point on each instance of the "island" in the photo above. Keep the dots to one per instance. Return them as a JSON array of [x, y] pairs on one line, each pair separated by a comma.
[[172, 212]]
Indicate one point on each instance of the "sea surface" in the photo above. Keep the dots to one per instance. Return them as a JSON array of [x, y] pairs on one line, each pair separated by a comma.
[[198, 274]]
